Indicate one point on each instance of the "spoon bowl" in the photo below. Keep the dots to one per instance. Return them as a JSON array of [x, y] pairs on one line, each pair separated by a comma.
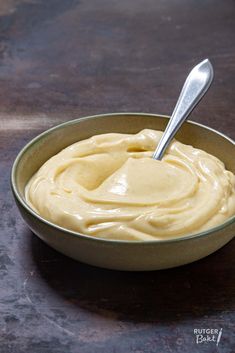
[[120, 254]]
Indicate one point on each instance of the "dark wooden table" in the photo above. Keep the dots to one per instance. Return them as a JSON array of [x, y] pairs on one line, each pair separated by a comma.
[[61, 59]]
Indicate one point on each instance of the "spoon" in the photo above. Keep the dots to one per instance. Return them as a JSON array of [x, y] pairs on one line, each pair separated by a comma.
[[195, 86]]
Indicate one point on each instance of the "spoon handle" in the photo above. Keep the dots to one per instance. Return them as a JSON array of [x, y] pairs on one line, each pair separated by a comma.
[[195, 86]]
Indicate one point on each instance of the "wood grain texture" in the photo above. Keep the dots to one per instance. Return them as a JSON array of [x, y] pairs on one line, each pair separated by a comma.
[[66, 59]]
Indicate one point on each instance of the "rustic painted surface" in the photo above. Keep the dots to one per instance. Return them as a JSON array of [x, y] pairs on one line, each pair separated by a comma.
[[64, 59]]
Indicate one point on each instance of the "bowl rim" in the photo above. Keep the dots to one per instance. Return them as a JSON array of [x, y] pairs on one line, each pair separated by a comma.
[[23, 203]]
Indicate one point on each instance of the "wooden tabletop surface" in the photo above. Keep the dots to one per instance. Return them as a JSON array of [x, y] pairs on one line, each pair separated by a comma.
[[63, 59]]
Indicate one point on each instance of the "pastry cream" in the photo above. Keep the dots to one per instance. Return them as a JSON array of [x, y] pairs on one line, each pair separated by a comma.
[[108, 186]]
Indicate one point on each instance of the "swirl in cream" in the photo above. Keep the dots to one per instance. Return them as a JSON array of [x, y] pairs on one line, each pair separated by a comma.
[[109, 186]]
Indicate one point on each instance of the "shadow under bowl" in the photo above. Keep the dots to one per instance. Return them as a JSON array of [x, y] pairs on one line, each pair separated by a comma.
[[119, 254]]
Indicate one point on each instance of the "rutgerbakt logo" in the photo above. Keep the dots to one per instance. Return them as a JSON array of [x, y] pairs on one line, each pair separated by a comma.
[[207, 335]]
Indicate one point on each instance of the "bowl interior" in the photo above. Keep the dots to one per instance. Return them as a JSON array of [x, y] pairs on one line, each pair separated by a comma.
[[52, 141]]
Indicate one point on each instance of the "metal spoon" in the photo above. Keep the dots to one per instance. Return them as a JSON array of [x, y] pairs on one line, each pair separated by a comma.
[[195, 86]]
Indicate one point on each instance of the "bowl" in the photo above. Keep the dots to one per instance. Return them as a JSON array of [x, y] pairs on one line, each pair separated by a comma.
[[120, 254]]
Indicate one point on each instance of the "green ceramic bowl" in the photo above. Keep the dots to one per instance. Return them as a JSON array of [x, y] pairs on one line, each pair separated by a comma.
[[115, 254]]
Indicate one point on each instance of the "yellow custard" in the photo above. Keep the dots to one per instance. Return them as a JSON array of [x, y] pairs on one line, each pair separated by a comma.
[[108, 186]]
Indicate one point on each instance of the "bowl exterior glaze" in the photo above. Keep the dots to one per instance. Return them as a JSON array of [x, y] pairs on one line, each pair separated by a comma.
[[113, 254]]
